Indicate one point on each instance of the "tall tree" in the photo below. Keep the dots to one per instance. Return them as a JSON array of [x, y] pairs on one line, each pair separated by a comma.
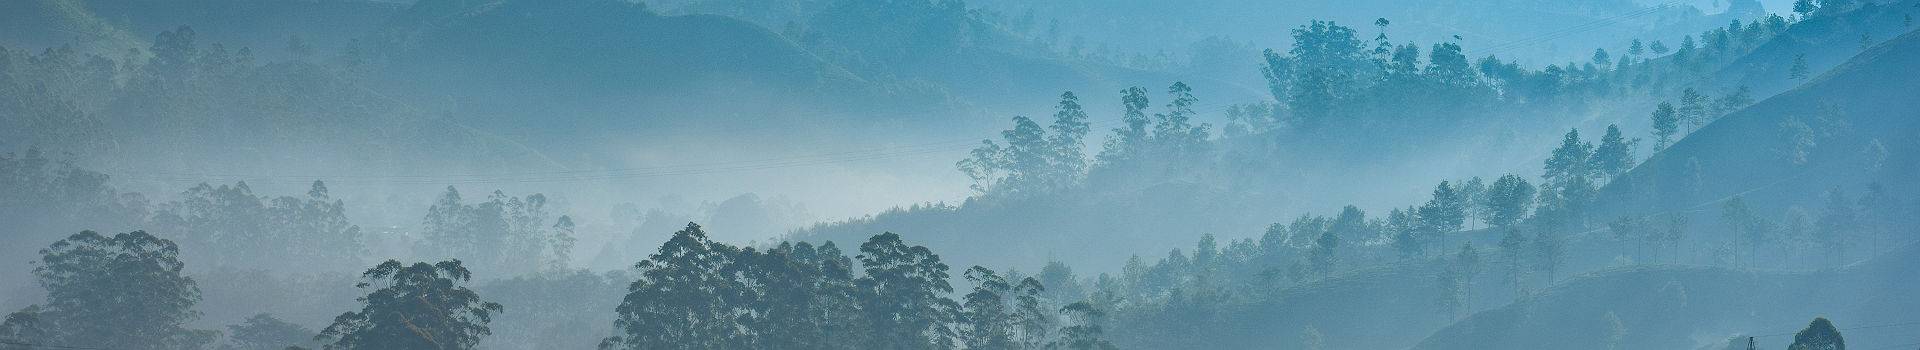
[[987, 324], [1568, 184], [122, 292], [1328, 65], [1819, 335], [1837, 225], [418, 306], [1799, 69], [1070, 127], [1130, 140], [1803, 7], [1674, 233], [682, 298], [1322, 258], [1626, 229], [1087, 328], [1614, 156], [265, 332], [902, 295], [1739, 219], [1549, 253], [1513, 246], [1693, 109], [1880, 214], [1508, 200], [1666, 123], [1444, 214], [1174, 131], [1456, 281]]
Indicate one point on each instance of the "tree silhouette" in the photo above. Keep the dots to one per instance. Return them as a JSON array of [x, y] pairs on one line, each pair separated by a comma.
[[418, 306]]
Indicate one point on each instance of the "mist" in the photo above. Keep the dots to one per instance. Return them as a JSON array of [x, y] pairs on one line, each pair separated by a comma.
[[986, 174]]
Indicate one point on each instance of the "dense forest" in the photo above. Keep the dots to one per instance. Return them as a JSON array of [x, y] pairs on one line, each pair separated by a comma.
[[912, 174]]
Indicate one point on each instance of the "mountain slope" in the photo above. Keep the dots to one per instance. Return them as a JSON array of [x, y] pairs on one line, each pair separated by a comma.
[[1679, 307], [1790, 148]]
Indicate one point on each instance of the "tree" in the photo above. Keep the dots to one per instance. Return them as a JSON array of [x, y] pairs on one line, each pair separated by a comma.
[[1803, 7], [1568, 184], [265, 332], [1473, 200], [1600, 58], [1880, 214], [1404, 227], [1626, 229], [503, 233], [1635, 49], [1513, 246], [1615, 154], [1675, 231], [988, 324], [1174, 132], [901, 295], [1129, 141], [1086, 330], [1743, 224], [21, 329], [1508, 200], [1070, 127], [1666, 123], [122, 292], [1456, 281], [1819, 335], [682, 297], [1659, 48], [1326, 67], [1693, 109], [1443, 214], [1799, 69], [1837, 225], [1740, 98], [1321, 259], [419, 306], [1549, 254]]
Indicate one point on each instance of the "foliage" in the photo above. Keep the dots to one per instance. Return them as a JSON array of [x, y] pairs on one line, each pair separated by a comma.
[[418, 306], [504, 233], [125, 292]]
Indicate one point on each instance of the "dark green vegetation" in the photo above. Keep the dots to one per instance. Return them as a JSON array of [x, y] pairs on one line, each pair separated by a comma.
[[1701, 186]]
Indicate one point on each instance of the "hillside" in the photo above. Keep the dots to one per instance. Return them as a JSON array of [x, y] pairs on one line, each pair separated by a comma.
[[1757, 152], [51, 23], [1826, 40], [1676, 307]]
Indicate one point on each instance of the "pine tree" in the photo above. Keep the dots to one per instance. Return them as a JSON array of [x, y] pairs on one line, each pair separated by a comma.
[[1837, 225], [1444, 214], [1625, 229], [1693, 109], [1803, 7], [1666, 123], [1799, 69], [1614, 156], [1549, 253], [1513, 245], [1508, 200], [1456, 281]]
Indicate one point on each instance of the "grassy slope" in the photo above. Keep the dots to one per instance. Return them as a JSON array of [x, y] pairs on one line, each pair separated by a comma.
[[1742, 153], [1676, 307]]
